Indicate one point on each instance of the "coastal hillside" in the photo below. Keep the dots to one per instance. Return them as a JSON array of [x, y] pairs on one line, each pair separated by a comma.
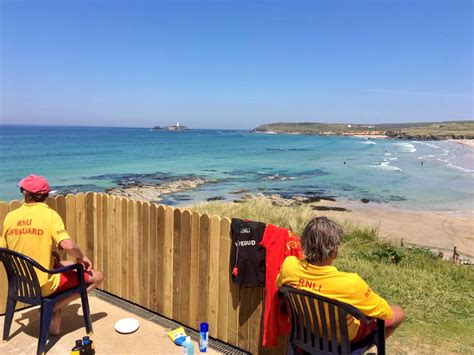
[[420, 130]]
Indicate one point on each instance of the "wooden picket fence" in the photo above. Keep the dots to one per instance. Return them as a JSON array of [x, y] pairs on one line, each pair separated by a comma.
[[171, 261]]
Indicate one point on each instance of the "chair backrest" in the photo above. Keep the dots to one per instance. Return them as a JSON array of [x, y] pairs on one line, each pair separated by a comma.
[[23, 282], [316, 324]]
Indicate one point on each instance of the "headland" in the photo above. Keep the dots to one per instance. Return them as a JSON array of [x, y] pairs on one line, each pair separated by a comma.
[[419, 130]]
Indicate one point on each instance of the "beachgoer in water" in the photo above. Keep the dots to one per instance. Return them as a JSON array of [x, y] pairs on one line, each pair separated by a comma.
[[36, 230], [315, 273]]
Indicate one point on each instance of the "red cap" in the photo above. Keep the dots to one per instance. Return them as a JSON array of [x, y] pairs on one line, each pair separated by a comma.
[[35, 184]]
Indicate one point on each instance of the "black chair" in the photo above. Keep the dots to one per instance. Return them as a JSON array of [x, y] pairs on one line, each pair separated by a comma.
[[23, 286], [312, 315]]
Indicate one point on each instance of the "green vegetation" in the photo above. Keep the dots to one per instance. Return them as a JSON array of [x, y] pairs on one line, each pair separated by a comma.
[[420, 130], [436, 295]]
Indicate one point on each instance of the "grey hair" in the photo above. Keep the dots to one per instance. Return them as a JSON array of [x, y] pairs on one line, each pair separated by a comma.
[[320, 239]]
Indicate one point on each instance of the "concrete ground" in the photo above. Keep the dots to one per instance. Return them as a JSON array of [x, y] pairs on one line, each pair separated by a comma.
[[150, 338]]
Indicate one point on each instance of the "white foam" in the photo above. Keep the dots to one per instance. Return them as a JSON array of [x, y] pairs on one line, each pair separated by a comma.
[[407, 147], [367, 142], [392, 158], [388, 153], [427, 144], [451, 165], [385, 166], [460, 168]]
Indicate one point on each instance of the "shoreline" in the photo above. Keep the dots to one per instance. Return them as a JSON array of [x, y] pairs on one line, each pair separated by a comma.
[[439, 231], [465, 142]]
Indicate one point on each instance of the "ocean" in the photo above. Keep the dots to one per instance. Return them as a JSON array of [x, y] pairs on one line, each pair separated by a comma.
[[426, 175]]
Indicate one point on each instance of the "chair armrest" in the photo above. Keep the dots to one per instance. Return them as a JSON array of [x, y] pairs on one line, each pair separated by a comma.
[[77, 266]]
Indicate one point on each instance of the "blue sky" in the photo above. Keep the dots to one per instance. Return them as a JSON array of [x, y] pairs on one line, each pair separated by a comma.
[[235, 64]]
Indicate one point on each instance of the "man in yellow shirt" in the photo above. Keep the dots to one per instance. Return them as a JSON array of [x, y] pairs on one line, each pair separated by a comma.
[[36, 230], [315, 273]]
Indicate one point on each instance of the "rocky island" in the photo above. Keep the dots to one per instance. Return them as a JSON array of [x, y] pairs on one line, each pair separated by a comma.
[[176, 127]]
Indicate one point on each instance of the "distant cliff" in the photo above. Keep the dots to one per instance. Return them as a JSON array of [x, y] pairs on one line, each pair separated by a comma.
[[418, 130]]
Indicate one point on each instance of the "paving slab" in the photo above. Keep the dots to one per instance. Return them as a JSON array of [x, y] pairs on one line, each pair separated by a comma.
[[150, 338]]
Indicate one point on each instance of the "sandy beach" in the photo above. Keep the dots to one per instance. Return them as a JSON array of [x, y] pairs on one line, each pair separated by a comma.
[[439, 231], [466, 142], [435, 230]]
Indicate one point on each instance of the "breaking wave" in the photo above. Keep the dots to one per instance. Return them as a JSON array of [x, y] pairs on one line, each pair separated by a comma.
[[385, 166], [407, 147]]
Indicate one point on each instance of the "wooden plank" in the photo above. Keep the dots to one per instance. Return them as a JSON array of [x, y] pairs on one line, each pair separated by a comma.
[[194, 260], [51, 202], [81, 221], [137, 265], [105, 241], [13, 205], [168, 264], [152, 267], [89, 228], [255, 321], [124, 248], [70, 221], [160, 252], [214, 246], [203, 286], [61, 209], [61, 206], [244, 317], [224, 279], [185, 268], [131, 235], [176, 264], [3, 276], [145, 255], [97, 230], [117, 251], [111, 243]]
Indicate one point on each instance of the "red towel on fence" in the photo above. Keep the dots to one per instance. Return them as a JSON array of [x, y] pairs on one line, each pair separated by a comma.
[[279, 243]]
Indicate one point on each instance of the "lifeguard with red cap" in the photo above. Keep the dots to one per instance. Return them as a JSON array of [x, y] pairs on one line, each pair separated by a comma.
[[35, 184], [38, 231]]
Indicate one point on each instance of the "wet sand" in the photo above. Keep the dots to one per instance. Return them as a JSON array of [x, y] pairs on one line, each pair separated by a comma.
[[466, 142], [436, 230]]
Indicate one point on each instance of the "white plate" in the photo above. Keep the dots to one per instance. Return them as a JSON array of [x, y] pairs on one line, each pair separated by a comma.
[[127, 325]]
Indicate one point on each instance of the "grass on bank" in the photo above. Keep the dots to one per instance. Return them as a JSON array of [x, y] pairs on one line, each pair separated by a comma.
[[423, 129], [436, 295]]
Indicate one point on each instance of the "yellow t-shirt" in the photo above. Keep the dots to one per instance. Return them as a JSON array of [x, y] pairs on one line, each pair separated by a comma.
[[33, 230], [342, 286]]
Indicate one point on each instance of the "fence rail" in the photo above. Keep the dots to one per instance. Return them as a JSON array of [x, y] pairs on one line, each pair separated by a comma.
[[172, 261]]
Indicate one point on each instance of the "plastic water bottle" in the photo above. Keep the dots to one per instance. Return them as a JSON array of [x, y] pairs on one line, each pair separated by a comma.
[[188, 346], [87, 346], [76, 350], [203, 337]]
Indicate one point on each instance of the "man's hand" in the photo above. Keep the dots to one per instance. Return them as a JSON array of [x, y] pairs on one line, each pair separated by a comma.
[[86, 262]]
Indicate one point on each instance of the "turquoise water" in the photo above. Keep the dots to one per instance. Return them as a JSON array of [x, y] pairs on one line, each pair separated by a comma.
[[385, 171]]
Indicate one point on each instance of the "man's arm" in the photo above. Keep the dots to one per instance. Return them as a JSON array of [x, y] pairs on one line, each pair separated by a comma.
[[73, 250]]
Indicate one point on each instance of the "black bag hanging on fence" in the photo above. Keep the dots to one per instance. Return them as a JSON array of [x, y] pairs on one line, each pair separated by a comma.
[[247, 256]]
